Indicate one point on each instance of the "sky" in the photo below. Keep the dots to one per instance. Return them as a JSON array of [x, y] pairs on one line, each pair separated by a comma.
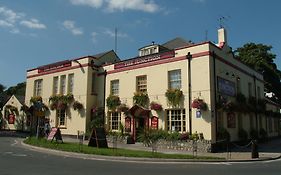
[[39, 32]]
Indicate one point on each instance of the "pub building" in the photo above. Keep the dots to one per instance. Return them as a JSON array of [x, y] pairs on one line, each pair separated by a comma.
[[177, 86]]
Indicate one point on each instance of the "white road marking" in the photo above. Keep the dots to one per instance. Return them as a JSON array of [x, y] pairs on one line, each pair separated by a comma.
[[19, 155], [13, 144]]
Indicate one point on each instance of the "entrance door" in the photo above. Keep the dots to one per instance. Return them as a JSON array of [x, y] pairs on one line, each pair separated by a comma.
[[140, 125]]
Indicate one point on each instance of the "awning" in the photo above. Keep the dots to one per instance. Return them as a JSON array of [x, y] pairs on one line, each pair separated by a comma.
[[138, 111]]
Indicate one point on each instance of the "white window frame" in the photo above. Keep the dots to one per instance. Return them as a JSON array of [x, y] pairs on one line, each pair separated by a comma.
[[114, 87], [38, 87], [61, 118], [174, 79], [70, 83], [55, 85], [62, 84], [176, 119], [114, 120], [141, 83]]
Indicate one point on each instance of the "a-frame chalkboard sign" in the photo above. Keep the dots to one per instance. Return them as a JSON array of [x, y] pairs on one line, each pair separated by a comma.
[[55, 133], [98, 138]]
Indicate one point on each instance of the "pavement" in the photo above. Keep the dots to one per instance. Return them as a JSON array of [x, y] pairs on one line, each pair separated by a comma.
[[270, 150]]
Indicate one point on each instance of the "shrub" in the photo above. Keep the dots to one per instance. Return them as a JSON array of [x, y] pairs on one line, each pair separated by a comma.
[[263, 133], [242, 134], [174, 136], [184, 136], [254, 134], [195, 136], [223, 134]]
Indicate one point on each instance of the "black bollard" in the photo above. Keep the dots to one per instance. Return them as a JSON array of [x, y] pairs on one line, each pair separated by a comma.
[[255, 153]]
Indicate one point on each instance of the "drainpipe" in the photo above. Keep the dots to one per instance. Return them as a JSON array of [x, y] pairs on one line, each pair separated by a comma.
[[104, 103], [189, 57], [215, 94], [256, 114]]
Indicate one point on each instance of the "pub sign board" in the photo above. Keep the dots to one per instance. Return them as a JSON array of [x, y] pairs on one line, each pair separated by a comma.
[[55, 133], [154, 122], [226, 87], [98, 138]]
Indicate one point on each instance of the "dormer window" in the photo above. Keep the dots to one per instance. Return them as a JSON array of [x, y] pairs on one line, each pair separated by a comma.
[[148, 50]]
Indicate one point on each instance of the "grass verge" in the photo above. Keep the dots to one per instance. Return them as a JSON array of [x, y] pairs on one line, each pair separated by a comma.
[[75, 147]]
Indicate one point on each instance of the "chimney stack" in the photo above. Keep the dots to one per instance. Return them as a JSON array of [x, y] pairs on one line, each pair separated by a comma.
[[222, 37]]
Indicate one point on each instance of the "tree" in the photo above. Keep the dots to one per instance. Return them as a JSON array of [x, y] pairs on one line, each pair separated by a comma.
[[19, 89], [2, 87], [260, 58]]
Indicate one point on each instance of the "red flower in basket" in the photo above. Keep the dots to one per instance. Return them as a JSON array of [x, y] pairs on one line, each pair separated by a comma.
[[199, 104]]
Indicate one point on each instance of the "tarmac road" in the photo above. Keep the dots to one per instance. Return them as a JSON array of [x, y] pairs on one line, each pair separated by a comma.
[[16, 159]]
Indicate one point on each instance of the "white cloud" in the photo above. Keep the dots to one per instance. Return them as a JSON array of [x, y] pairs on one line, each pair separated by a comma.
[[9, 15], [91, 3], [11, 19], [120, 5], [4, 23], [33, 24], [112, 33], [200, 1], [94, 36], [141, 5], [70, 25]]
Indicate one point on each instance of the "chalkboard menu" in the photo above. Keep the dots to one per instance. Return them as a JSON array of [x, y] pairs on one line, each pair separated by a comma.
[[98, 138], [55, 133]]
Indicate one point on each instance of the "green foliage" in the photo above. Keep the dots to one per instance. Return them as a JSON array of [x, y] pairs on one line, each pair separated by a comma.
[[199, 104], [10, 109], [77, 105], [223, 134], [174, 97], [2, 87], [122, 108], [263, 133], [174, 136], [35, 99], [141, 98], [19, 89], [242, 134], [97, 119], [260, 58], [112, 102], [254, 134], [60, 101], [195, 136]]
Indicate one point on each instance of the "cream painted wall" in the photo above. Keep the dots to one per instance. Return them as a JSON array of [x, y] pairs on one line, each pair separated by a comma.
[[75, 120]]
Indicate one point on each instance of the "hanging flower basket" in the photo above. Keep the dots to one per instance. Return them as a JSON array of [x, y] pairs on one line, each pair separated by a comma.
[[199, 104], [112, 102], [61, 105], [141, 98], [174, 97], [77, 105], [156, 106], [35, 99], [122, 108], [60, 101]]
